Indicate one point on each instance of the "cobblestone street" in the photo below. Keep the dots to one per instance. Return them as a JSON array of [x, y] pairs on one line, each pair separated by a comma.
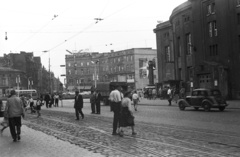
[[56, 133]]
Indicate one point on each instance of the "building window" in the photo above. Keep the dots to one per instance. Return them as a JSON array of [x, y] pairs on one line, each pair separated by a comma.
[[238, 18], [189, 44], [87, 63], [168, 54], [211, 9], [69, 64], [212, 27], [213, 49], [179, 50], [166, 35], [186, 18], [177, 23], [180, 73], [215, 28]]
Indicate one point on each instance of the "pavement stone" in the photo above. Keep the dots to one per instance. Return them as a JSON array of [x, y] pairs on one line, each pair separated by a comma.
[[38, 144]]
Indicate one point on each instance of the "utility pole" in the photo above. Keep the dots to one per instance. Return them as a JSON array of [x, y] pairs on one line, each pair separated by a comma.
[[49, 65], [95, 72]]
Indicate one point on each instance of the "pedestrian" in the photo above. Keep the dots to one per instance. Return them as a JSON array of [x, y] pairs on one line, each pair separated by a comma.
[[61, 99], [154, 93], [51, 101], [56, 99], [47, 99], [160, 92], [31, 104], [38, 106], [98, 101], [78, 105], [93, 101], [24, 101], [116, 99], [135, 99], [150, 93], [169, 94], [126, 115], [14, 110]]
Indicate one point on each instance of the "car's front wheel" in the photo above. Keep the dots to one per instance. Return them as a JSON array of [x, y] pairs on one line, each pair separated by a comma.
[[181, 105], [206, 106], [222, 108]]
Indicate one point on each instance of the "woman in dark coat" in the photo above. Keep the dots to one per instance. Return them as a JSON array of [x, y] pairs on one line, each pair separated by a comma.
[[127, 118]]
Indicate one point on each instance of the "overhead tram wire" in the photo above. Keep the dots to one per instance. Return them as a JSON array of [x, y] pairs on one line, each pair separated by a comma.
[[55, 16], [89, 26]]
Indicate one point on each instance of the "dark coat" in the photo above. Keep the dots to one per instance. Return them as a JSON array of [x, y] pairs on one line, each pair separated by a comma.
[[98, 97], [47, 97], [78, 103]]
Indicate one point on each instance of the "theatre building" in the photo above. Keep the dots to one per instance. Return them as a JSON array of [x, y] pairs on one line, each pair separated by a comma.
[[201, 41]]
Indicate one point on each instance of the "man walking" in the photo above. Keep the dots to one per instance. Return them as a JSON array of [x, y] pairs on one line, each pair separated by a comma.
[[135, 99], [116, 99], [98, 101], [78, 105], [14, 110]]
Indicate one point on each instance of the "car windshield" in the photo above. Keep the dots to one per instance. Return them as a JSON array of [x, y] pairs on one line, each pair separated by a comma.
[[215, 93]]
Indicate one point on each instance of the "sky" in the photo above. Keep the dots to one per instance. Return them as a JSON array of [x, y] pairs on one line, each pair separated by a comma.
[[54, 26]]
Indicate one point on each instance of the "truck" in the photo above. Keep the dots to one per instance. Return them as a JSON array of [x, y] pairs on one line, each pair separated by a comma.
[[105, 89]]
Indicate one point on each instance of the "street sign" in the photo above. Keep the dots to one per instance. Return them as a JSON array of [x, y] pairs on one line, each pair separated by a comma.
[[63, 75], [62, 65]]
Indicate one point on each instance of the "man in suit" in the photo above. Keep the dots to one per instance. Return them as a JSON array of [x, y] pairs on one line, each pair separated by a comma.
[[78, 105], [98, 101]]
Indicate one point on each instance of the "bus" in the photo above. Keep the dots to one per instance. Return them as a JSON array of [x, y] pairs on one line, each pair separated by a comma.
[[25, 92]]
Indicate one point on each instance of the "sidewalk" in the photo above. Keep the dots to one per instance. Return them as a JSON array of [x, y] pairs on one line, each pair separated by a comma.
[[37, 144], [232, 104]]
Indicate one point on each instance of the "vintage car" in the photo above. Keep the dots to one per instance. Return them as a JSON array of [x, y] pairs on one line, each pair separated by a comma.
[[203, 98]]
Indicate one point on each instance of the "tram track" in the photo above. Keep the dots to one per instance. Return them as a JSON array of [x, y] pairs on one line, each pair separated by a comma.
[[124, 141]]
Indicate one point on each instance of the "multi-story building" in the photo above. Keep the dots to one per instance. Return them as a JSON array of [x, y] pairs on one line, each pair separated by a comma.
[[84, 70], [206, 38], [9, 78], [28, 69], [80, 70]]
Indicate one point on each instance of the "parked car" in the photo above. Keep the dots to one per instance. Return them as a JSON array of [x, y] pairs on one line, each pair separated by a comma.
[[203, 98]]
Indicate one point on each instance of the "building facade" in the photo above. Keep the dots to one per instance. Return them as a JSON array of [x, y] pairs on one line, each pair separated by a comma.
[[206, 39], [28, 69], [86, 69]]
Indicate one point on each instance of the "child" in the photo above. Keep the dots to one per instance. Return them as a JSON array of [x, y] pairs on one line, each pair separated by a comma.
[[5, 124], [38, 106]]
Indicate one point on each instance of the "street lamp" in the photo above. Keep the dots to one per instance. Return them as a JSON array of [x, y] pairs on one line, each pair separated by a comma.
[[95, 72], [49, 65]]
